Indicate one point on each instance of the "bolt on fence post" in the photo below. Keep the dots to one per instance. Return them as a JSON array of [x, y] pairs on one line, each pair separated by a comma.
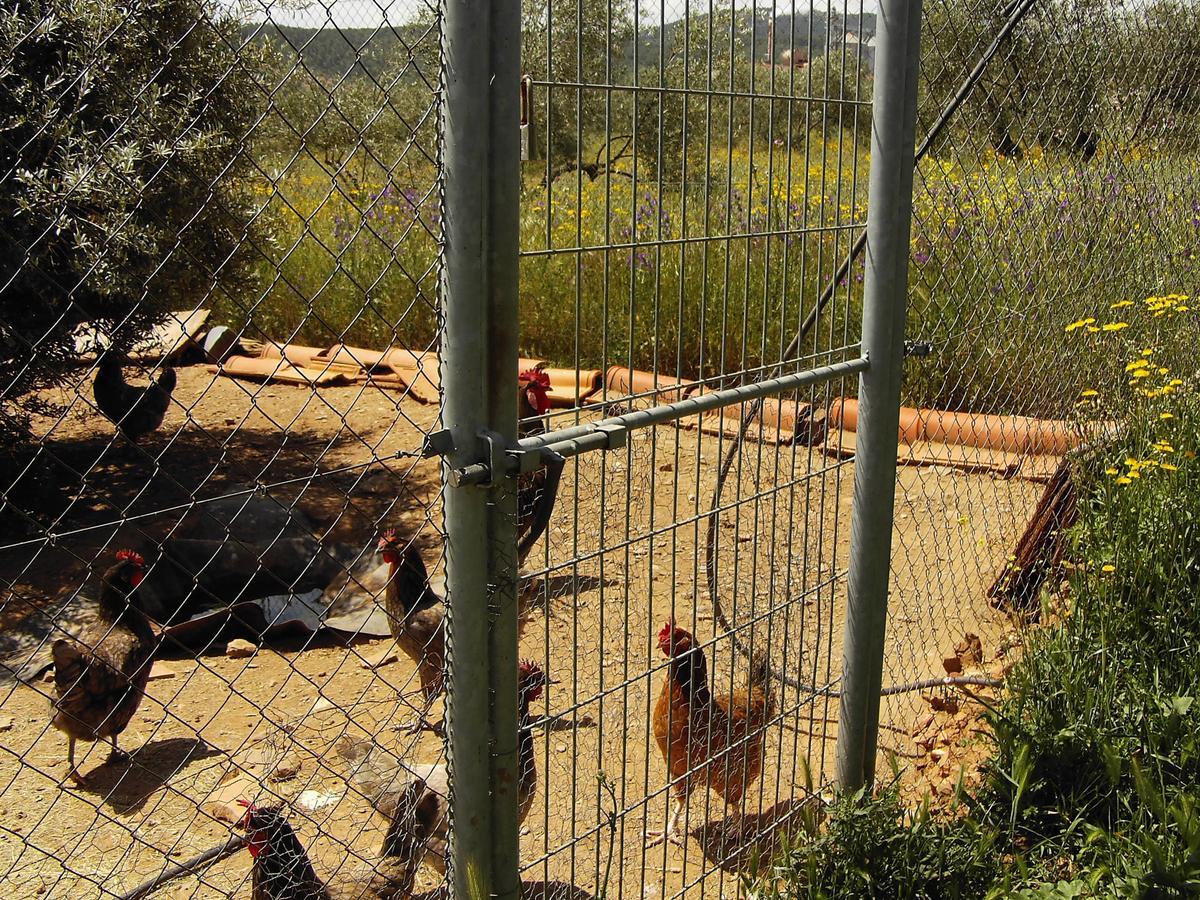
[[481, 171], [889, 215]]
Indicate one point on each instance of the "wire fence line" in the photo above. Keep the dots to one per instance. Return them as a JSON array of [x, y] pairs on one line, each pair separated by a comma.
[[444, 459]]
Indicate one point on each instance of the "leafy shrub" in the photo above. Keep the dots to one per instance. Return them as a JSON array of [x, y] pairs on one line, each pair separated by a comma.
[[122, 175]]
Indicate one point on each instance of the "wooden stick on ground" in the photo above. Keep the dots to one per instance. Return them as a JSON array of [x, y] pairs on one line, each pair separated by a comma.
[[211, 855]]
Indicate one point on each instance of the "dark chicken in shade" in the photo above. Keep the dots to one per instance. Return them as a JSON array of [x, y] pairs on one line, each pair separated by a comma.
[[705, 739], [136, 411], [282, 869], [100, 673], [533, 402], [416, 616]]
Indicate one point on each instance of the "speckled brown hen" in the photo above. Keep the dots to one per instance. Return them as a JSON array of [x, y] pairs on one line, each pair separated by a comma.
[[416, 616], [707, 739], [532, 405], [100, 673]]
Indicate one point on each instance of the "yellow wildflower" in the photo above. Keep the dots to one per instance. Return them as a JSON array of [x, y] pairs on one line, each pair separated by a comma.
[[1111, 471], [1124, 480], [1114, 326], [1108, 567], [1121, 304], [1089, 393], [1166, 415], [1169, 467]]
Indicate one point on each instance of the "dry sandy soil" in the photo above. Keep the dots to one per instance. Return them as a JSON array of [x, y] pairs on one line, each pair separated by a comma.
[[623, 552]]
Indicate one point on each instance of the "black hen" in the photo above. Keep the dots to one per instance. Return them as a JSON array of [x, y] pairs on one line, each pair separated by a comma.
[[136, 411], [283, 871]]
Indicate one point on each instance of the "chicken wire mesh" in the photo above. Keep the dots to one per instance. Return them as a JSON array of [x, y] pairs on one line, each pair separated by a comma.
[[227, 236], [223, 238], [1056, 200]]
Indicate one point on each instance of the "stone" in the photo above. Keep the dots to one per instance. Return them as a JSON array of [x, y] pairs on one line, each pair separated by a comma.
[[240, 649], [970, 650]]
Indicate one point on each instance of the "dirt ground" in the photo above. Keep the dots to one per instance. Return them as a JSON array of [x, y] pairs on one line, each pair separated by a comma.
[[624, 551]]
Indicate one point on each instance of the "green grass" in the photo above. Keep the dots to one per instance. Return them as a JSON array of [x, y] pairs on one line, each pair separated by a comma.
[[1093, 787], [1004, 254]]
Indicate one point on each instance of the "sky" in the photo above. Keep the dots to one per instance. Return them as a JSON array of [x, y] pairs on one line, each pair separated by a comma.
[[373, 13]]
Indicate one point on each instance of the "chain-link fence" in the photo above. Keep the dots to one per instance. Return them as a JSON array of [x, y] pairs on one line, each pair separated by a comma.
[[1056, 200], [261, 336]]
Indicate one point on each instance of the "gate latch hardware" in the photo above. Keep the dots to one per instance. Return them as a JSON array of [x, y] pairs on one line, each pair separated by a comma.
[[918, 349]]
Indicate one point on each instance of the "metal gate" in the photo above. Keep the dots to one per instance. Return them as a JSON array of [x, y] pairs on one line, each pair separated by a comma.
[[739, 411]]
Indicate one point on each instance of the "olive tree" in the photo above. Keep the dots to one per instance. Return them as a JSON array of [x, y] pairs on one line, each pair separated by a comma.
[[124, 188]]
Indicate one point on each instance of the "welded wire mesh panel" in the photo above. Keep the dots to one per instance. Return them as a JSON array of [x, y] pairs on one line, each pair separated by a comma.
[[218, 347], [1053, 203], [697, 175]]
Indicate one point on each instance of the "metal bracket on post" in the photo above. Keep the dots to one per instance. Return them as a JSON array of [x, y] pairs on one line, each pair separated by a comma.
[[528, 139], [440, 443], [885, 292]]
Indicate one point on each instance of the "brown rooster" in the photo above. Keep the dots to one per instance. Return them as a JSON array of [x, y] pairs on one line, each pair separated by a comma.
[[716, 741], [100, 674], [283, 871], [416, 617], [417, 797], [136, 411]]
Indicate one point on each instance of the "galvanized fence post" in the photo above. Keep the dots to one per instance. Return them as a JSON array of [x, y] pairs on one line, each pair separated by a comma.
[[481, 172], [889, 215]]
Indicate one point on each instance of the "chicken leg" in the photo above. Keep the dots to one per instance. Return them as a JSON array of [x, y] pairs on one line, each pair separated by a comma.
[[422, 722], [116, 755], [671, 832], [72, 769]]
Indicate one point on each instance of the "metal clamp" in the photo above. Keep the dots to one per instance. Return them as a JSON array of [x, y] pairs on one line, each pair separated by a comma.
[[438, 444], [618, 436], [918, 349]]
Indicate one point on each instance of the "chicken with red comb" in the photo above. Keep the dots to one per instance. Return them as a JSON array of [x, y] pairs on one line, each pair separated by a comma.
[[282, 870], [416, 617], [100, 672], [705, 739]]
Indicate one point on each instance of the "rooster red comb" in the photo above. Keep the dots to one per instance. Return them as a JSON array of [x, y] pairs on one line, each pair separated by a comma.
[[536, 376], [132, 556]]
